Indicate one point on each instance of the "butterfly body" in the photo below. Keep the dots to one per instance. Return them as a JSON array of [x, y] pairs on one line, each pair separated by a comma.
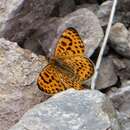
[[60, 65], [68, 67]]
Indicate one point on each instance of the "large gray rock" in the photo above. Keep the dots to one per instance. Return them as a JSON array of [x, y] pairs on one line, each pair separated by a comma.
[[18, 91], [119, 39], [107, 76], [121, 101], [87, 24], [71, 110], [7, 9]]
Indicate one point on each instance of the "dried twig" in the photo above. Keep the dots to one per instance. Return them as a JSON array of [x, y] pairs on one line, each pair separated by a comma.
[[93, 82]]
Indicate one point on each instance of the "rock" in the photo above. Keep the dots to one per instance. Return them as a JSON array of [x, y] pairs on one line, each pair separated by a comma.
[[121, 67], [118, 63], [123, 11], [119, 40], [7, 10], [31, 44], [66, 7], [120, 98], [33, 24], [106, 51], [91, 7], [63, 7], [125, 73], [104, 12], [44, 32], [26, 28], [89, 28], [79, 2], [18, 90], [43, 37], [121, 101], [124, 5], [100, 1], [71, 110], [29, 18], [48, 34], [124, 121], [107, 76]]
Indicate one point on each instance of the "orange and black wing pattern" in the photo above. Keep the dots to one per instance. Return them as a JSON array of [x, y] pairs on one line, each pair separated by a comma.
[[69, 44], [70, 49], [82, 66], [52, 81]]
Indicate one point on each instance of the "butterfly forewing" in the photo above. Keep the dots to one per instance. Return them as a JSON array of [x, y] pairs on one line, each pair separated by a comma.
[[69, 44]]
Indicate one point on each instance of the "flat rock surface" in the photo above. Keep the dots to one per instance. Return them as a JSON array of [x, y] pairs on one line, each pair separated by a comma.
[[71, 110]]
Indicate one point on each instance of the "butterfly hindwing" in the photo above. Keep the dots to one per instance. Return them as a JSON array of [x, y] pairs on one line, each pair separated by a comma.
[[69, 43], [48, 80], [52, 81]]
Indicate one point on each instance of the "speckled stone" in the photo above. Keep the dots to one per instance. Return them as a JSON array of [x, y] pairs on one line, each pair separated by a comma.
[[71, 110]]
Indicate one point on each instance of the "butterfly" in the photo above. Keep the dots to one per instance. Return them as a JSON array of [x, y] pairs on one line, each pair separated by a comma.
[[68, 67]]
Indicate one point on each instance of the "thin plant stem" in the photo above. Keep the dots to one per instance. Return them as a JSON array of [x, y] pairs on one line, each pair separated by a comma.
[[93, 82]]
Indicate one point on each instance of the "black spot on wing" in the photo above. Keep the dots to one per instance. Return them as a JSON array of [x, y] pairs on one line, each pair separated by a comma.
[[66, 37]]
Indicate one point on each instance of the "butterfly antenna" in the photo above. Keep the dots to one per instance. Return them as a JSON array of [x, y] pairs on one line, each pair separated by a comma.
[[93, 82]]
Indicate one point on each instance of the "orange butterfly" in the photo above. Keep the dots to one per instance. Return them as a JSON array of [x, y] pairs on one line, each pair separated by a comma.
[[68, 67]]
